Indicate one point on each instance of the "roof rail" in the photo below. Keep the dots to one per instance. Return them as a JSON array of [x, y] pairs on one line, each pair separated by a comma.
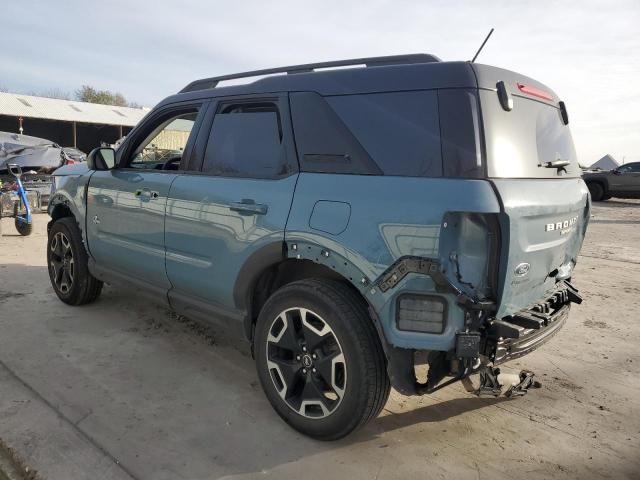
[[212, 82]]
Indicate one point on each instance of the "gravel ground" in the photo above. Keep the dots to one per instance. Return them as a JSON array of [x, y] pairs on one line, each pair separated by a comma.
[[121, 389]]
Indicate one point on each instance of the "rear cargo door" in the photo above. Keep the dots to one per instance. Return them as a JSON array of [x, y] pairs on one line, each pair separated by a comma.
[[543, 228], [545, 208]]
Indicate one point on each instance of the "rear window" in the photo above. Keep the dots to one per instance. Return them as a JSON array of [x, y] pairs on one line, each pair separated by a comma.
[[426, 133], [246, 141], [520, 142]]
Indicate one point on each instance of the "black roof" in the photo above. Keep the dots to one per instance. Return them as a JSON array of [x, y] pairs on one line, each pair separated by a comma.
[[312, 67], [367, 75]]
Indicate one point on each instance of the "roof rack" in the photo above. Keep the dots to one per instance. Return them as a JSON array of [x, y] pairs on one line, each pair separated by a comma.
[[212, 82]]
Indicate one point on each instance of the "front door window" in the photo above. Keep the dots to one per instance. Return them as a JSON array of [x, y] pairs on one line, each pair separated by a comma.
[[163, 148]]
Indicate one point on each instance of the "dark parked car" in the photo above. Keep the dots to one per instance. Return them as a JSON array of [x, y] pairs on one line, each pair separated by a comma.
[[37, 157], [347, 219], [30, 153], [622, 182]]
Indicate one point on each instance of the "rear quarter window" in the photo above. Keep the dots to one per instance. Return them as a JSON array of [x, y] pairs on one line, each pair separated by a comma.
[[460, 131], [400, 131], [427, 133]]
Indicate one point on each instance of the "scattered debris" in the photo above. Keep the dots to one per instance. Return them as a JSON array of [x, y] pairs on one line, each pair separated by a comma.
[[12, 467]]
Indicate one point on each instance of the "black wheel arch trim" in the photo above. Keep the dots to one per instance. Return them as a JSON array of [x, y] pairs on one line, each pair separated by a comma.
[[265, 257]]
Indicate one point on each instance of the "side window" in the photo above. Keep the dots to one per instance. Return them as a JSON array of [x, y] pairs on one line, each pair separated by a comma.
[[630, 168], [460, 130], [399, 130], [164, 146], [325, 144], [246, 141]]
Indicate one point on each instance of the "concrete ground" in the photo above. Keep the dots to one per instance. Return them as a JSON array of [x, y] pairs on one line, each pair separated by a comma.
[[120, 389]]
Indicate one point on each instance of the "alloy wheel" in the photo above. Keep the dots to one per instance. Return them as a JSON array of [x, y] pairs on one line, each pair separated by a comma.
[[61, 263], [306, 363]]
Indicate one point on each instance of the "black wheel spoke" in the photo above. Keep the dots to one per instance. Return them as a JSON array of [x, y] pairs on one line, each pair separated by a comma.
[[56, 262], [67, 278], [58, 245], [314, 330], [289, 339], [313, 392], [312, 339], [324, 365], [59, 275], [290, 373]]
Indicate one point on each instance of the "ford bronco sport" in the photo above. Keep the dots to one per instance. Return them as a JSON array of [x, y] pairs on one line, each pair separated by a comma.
[[354, 221]]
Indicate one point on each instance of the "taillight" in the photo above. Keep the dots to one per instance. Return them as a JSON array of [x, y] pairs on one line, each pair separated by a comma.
[[534, 92]]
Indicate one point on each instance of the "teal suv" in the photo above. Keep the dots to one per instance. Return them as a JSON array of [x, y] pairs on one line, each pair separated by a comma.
[[353, 221]]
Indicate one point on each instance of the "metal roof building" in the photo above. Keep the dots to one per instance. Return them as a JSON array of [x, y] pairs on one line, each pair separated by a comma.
[[605, 163], [68, 123]]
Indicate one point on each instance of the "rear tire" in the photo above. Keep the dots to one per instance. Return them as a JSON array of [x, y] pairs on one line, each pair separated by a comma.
[[23, 227], [596, 190], [67, 260], [319, 359]]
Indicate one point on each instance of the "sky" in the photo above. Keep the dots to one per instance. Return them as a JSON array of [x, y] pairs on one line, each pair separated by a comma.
[[587, 51]]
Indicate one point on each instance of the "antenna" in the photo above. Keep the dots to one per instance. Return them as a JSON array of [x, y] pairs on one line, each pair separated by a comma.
[[481, 46]]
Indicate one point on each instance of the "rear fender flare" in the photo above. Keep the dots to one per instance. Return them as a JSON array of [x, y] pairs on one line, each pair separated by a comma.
[[365, 283]]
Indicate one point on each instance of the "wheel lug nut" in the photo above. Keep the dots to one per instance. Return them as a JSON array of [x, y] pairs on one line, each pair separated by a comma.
[[304, 349], [298, 357], [304, 370], [314, 370], [314, 356]]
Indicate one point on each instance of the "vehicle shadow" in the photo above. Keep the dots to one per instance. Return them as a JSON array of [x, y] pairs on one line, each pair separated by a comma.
[[125, 372], [616, 203], [434, 413], [616, 222]]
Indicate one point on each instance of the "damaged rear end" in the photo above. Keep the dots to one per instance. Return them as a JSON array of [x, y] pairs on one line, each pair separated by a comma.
[[511, 271], [532, 165]]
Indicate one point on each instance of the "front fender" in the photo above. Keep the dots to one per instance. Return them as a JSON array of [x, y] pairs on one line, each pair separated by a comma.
[[70, 195]]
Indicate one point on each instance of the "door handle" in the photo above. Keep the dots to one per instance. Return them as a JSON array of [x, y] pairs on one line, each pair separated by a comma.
[[146, 194], [248, 206]]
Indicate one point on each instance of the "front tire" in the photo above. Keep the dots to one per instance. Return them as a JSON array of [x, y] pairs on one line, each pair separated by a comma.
[[67, 260], [319, 359]]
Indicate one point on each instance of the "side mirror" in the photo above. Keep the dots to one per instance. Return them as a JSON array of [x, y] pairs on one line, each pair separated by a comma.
[[102, 158], [616, 172]]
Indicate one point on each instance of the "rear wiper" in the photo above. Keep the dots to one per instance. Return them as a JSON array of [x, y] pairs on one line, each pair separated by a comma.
[[557, 164]]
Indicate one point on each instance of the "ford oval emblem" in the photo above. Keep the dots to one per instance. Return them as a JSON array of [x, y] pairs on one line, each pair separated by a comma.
[[522, 269]]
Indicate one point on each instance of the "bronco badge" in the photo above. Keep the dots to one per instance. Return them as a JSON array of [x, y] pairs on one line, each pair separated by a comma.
[[549, 227]]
